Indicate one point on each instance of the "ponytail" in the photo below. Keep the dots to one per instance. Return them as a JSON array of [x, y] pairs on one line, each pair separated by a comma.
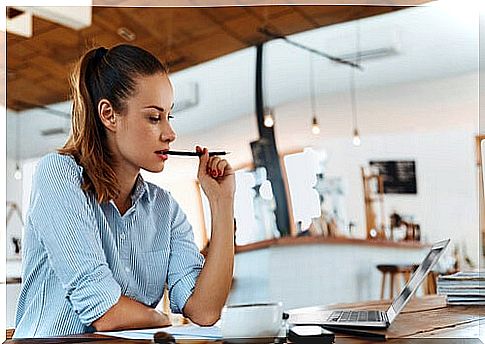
[[102, 74]]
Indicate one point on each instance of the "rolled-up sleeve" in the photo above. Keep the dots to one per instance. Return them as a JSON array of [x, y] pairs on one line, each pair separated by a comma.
[[185, 261], [65, 225]]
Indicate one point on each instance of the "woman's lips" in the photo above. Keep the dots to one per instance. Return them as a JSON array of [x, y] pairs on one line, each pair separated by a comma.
[[161, 155]]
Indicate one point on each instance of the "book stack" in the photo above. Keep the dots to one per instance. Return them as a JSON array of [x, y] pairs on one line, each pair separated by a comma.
[[464, 288]]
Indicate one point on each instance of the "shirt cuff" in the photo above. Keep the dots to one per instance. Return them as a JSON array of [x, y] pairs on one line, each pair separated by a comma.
[[95, 296], [182, 290]]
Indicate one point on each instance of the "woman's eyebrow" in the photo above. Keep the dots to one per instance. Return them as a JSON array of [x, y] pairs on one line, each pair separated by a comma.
[[158, 107]]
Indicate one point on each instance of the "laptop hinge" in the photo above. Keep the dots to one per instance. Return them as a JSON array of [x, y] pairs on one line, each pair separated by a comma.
[[390, 315]]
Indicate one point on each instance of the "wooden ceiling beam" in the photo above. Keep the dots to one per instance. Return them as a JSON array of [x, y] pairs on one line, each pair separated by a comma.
[[182, 36], [213, 18]]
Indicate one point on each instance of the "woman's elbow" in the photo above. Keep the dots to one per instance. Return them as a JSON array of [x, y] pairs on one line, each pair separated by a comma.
[[101, 325], [205, 318], [100, 328]]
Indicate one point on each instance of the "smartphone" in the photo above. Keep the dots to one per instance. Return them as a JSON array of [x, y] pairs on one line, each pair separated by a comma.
[[310, 334]]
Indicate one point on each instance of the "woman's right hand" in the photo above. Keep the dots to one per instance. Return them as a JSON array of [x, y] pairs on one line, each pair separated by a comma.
[[216, 176]]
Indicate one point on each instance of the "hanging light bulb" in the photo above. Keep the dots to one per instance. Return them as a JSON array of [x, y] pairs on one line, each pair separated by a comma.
[[356, 138], [18, 173], [353, 97], [268, 119], [315, 126]]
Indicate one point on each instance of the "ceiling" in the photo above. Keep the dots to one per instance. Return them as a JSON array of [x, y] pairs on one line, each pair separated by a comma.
[[429, 43], [38, 67]]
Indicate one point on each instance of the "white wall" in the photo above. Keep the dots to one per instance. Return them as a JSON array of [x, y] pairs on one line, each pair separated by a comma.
[[482, 70], [14, 194], [432, 122], [14, 228], [447, 194]]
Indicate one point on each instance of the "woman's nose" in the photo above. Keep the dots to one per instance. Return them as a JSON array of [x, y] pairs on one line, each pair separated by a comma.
[[169, 134]]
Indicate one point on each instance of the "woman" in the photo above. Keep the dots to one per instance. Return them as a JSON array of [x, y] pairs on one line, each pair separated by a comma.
[[101, 243]]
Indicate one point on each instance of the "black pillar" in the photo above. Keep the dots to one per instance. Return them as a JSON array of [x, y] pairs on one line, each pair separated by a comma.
[[265, 152]]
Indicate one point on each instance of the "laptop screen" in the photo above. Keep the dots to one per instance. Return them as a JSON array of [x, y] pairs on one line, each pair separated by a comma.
[[417, 278]]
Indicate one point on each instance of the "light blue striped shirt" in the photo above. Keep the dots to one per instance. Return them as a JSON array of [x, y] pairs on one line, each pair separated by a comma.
[[79, 256]]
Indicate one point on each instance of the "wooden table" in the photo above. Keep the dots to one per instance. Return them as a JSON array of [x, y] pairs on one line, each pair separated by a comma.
[[424, 320]]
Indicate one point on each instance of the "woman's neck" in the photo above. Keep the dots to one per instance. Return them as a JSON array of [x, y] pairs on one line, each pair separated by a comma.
[[126, 181]]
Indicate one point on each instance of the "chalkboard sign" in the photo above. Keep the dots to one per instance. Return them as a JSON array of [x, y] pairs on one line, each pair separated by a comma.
[[399, 177]]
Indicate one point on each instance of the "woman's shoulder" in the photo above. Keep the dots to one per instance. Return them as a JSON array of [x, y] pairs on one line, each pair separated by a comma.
[[157, 192], [161, 195], [164, 203], [57, 164]]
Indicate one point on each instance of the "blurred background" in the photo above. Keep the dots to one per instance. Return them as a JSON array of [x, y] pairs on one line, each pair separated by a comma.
[[354, 131]]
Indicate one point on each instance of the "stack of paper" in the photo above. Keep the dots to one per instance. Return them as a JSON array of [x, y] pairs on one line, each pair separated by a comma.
[[463, 288]]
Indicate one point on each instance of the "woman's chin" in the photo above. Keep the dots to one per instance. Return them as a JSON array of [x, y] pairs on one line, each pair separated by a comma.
[[155, 168]]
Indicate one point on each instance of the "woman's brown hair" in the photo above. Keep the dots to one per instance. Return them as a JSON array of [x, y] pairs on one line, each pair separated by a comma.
[[103, 74]]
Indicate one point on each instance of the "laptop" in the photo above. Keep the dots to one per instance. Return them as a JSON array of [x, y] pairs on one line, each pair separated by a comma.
[[371, 318]]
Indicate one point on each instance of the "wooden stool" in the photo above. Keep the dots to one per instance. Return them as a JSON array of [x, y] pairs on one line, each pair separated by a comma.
[[394, 271], [429, 284]]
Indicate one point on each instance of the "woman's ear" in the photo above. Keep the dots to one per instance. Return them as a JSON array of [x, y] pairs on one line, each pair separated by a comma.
[[107, 114]]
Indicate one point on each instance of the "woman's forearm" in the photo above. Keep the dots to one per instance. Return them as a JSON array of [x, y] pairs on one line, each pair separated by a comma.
[[214, 282], [130, 314]]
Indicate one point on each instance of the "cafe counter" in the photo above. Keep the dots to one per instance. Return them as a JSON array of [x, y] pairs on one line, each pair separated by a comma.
[[305, 271], [304, 240]]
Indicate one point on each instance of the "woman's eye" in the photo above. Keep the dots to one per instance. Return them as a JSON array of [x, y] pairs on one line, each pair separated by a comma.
[[170, 117], [155, 119]]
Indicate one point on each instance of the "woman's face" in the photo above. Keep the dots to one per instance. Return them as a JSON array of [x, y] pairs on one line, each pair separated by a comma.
[[144, 129]]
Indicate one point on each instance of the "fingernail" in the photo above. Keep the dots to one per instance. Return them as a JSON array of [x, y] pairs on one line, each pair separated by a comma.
[[214, 173], [221, 173]]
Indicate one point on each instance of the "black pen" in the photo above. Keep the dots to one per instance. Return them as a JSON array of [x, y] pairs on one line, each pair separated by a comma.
[[185, 153]]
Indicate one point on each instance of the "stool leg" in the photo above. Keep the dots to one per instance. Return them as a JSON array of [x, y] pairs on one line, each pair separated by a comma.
[[426, 286], [430, 283], [407, 275], [433, 283], [383, 285], [393, 276]]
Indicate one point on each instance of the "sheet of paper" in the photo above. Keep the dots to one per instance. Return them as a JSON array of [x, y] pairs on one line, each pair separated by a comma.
[[179, 332]]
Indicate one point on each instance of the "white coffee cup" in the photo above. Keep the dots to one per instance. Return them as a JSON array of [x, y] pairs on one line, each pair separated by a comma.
[[252, 320]]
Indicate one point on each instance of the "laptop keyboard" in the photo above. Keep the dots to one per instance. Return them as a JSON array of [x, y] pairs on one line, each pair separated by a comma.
[[356, 316]]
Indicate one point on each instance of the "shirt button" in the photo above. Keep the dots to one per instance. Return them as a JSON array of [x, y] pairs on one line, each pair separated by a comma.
[[122, 236], [127, 269]]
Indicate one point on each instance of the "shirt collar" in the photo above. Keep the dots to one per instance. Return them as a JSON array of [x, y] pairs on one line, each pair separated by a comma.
[[140, 189]]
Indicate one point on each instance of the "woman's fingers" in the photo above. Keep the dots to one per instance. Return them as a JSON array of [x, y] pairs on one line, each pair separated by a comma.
[[221, 166], [203, 159], [212, 166], [216, 166]]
